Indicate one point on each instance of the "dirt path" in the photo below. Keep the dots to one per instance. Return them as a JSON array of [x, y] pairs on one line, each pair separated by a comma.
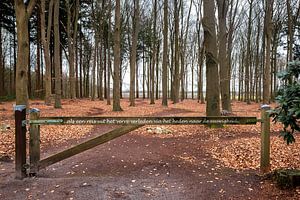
[[141, 166]]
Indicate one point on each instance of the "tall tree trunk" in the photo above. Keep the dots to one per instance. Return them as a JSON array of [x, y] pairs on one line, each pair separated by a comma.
[[117, 57], [2, 67], [108, 80], [176, 53], [268, 37], [100, 72], [23, 12], [38, 58], [46, 43], [133, 52], [157, 72], [121, 81], [248, 56], [192, 71], [212, 74], [29, 65], [57, 64], [80, 65], [257, 66], [230, 37], [144, 74], [200, 55], [76, 69], [224, 65], [290, 31], [108, 54], [13, 85], [153, 63], [104, 69], [94, 69], [72, 19], [165, 57], [183, 49]]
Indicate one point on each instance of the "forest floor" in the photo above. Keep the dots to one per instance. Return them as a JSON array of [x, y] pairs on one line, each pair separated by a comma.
[[152, 162]]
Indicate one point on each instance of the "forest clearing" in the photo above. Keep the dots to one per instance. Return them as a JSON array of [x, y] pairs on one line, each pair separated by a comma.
[[152, 162]]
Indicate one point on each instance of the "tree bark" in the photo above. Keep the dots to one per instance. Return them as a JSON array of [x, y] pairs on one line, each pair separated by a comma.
[[224, 65], [23, 12], [290, 31], [72, 19], [57, 64], [165, 57], [183, 50], [176, 53], [212, 74], [257, 66], [117, 57], [100, 72], [94, 69], [268, 36], [157, 72], [133, 52], [38, 58], [45, 43], [108, 54], [248, 56], [153, 63], [2, 67], [230, 37]]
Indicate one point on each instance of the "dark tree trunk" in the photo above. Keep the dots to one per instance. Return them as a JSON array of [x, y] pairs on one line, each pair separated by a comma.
[[165, 57]]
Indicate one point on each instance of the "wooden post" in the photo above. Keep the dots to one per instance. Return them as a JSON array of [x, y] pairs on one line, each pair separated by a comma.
[[20, 141], [34, 142], [265, 140]]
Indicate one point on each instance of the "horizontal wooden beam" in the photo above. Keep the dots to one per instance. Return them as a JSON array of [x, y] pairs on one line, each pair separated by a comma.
[[86, 145], [144, 120]]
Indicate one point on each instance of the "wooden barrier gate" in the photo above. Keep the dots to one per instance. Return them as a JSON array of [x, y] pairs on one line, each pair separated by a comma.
[[128, 124]]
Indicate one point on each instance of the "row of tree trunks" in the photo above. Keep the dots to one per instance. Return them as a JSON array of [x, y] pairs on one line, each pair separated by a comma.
[[83, 83]]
